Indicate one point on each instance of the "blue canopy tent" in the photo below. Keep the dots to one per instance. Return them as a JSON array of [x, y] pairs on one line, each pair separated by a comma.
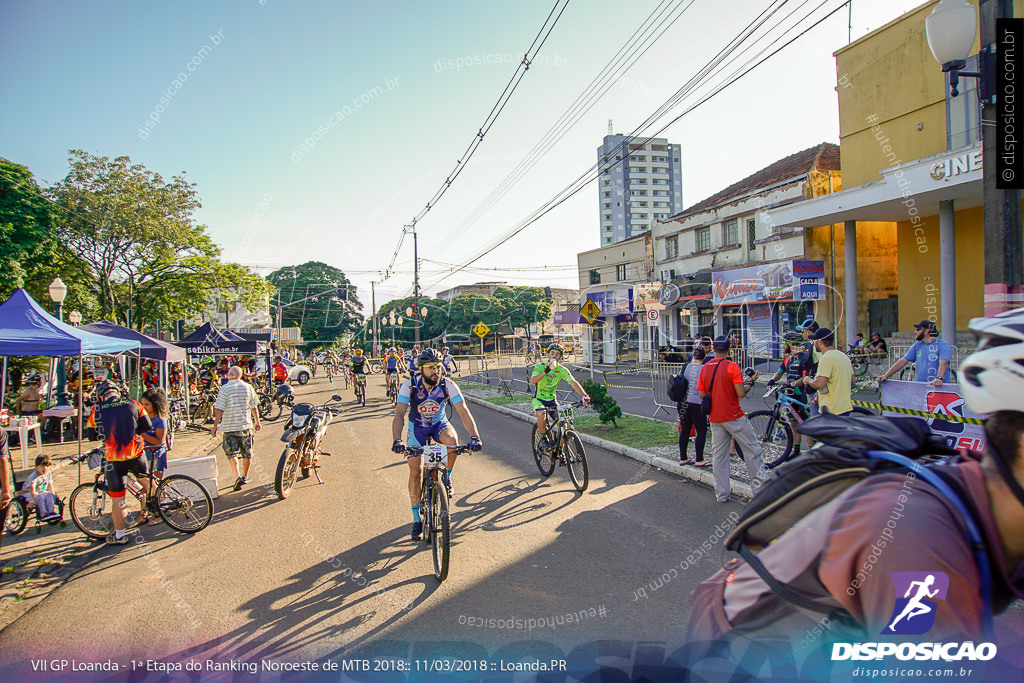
[[26, 329], [208, 340]]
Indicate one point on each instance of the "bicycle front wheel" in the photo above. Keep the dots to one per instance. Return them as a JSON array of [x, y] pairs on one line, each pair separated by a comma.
[[576, 459], [774, 435], [286, 469], [440, 526], [860, 366], [545, 461], [184, 504]]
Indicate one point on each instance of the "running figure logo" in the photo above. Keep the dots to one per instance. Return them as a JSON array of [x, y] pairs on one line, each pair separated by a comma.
[[914, 613]]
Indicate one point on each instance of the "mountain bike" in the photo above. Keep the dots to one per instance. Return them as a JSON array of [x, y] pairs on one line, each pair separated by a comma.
[[330, 372], [568, 447], [909, 374], [434, 502], [177, 420], [776, 428], [361, 389], [392, 381], [312, 368], [181, 501]]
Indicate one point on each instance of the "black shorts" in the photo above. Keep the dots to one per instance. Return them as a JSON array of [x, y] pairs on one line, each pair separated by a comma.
[[114, 472]]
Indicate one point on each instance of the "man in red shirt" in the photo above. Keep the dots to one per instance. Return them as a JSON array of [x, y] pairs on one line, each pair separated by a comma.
[[280, 370], [723, 380]]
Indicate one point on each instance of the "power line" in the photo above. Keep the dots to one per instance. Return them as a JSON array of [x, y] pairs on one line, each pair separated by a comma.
[[583, 180], [492, 116]]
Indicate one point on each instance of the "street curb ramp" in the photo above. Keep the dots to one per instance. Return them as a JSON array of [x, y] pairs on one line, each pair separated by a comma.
[[698, 475]]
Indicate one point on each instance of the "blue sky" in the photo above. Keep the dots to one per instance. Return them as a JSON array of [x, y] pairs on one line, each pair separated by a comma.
[[268, 75]]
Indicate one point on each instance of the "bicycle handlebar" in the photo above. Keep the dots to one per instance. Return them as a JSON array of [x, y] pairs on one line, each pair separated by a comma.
[[464, 448]]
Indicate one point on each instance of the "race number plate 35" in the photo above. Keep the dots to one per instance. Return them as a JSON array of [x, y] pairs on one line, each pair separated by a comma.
[[435, 456], [565, 413]]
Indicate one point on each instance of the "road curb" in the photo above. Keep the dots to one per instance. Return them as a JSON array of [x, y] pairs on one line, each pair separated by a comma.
[[698, 475]]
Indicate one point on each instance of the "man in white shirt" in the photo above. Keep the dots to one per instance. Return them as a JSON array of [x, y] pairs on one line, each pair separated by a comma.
[[236, 414]]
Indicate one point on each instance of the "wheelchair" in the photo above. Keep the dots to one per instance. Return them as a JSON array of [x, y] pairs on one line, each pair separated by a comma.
[[20, 509]]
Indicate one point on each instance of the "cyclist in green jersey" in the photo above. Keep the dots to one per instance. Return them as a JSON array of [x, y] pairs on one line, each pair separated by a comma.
[[546, 377]]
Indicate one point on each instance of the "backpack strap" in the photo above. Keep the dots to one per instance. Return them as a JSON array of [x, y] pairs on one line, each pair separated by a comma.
[[954, 493]]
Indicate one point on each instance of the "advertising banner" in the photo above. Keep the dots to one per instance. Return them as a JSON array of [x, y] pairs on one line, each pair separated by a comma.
[[944, 400], [614, 302], [567, 318], [769, 282]]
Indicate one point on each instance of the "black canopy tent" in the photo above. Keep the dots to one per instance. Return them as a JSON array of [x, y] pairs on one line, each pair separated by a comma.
[[209, 341]]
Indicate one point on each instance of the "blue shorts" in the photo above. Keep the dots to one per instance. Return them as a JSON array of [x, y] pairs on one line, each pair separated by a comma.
[[418, 435], [161, 458]]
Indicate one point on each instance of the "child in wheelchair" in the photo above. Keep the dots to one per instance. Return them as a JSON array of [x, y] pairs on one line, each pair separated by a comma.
[[38, 490]]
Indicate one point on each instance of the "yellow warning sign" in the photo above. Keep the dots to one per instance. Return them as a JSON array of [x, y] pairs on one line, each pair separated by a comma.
[[590, 311], [481, 330]]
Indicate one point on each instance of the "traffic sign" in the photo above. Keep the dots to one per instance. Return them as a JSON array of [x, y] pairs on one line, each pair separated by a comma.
[[481, 330], [652, 317], [590, 311]]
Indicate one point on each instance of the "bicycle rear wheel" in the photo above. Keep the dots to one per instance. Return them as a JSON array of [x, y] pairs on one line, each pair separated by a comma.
[[774, 435], [90, 507], [576, 458], [545, 461], [860, 366], [184, 504], [440, 538], [908, 374]]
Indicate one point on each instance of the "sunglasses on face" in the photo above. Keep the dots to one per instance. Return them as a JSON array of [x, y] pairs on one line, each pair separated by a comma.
[[430, 366]]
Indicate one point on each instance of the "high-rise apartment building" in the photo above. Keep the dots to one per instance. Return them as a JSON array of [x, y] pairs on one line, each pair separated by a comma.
[[639, 182]]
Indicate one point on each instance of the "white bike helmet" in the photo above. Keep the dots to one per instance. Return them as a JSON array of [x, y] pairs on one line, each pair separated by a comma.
[[992, 378]]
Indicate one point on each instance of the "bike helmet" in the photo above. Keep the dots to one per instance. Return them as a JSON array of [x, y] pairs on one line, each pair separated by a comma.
[[793, 338], [105, 387], [428, 355], [284, 390], [556, 346], [993, 376], [359, 352]]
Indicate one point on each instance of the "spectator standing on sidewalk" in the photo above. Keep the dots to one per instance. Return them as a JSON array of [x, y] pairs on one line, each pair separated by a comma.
[[5, 480], [833, 380], [728, 421], [690, 415], [235, 414], [931, 354]]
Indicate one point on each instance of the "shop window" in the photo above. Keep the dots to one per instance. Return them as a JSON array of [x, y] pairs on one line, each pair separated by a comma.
[[595, 275], [730, 232], [963, 126], [751, 234], [703, 236]]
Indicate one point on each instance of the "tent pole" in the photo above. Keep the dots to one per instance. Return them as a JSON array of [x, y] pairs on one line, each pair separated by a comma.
[[3, 387], [81, 409]]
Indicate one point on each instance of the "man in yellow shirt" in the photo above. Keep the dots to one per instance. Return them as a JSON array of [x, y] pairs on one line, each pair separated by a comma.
[[834, 377]]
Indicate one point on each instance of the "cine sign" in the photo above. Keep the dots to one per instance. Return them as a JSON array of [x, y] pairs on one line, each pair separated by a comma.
[[958, 165]]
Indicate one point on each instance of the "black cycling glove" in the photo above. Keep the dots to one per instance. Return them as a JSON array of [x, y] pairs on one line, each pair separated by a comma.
[[398, 446], [474, 444]]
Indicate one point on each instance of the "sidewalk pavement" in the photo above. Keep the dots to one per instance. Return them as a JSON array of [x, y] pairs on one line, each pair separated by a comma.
[[32, 566], [665, 458]]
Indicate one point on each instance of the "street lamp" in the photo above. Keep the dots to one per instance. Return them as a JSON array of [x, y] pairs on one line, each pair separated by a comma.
[[950, 29], [74, 317], [58, 291]]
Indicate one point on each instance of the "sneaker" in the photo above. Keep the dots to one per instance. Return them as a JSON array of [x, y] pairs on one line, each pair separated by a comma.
[[245, 480], [154, 520], [417, 531], [112, 539], [51, 517], [238, 484]]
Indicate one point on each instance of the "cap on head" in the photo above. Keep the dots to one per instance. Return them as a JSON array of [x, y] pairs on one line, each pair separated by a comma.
[[722, 343], [822, 334], [927, 325]]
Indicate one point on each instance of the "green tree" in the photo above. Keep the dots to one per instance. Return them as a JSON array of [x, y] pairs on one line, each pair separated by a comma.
[[607, 407], [26, 226], [132, 242], [523, 306], [322, 319]]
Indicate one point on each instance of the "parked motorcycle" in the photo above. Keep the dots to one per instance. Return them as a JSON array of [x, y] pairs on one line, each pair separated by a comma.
[[303, 433]]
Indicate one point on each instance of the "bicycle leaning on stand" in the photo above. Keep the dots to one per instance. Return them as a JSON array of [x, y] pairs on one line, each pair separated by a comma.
[[181, 501], [568, 448]]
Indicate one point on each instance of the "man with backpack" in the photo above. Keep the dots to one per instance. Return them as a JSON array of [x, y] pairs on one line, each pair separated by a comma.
[[722, 385], [833, 569]]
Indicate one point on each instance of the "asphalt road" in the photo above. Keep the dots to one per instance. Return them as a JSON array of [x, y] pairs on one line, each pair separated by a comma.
[[331, 571]]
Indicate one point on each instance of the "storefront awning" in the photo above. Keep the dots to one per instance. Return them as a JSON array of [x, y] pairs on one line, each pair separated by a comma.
[[905, 191]]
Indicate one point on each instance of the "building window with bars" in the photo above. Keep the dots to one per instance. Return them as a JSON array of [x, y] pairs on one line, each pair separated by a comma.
[[751, 233], [703, 236], [672, 247], [620, 272]]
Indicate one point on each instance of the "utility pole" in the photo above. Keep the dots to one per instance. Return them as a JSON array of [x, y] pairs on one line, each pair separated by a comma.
[[373, 300], [415, 286]]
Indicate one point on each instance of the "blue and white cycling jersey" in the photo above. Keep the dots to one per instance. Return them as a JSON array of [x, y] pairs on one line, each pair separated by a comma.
[[427, 419]]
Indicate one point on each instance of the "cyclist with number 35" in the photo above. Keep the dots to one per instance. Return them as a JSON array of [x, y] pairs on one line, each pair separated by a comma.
[[423, 398], [546, 377]]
